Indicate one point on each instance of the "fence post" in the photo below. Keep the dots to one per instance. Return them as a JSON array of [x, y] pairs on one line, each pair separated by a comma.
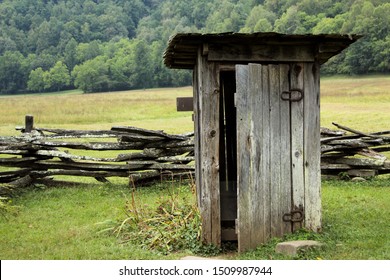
[[29, 123]]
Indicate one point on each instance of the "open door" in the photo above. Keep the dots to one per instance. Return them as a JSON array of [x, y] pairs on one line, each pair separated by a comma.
[[270, 157]]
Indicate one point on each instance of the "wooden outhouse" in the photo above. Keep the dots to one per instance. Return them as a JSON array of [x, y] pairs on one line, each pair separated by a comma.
[[256, 102]]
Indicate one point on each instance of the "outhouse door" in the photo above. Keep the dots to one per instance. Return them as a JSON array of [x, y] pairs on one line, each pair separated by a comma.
[[278, 159]]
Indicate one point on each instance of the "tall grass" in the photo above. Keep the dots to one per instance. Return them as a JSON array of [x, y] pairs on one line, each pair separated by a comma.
[[154, 109], [362, 103]]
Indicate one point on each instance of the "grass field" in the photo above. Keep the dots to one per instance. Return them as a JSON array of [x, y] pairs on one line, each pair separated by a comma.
[[64, 223]]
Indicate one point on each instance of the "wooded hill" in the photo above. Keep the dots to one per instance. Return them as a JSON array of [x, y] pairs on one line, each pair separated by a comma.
[[106, 45]]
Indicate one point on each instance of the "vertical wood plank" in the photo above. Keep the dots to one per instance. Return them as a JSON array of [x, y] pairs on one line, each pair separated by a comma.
[[297, 136], [243, 158], [265, 162], [275, 151], [312, 144], [285, 147], [208, 99], [197, 112], [255, 92]]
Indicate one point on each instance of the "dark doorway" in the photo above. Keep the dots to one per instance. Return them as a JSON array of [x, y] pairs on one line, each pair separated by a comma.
[[228, 155]]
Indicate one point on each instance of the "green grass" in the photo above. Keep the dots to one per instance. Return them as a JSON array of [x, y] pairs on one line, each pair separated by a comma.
[[63, 223], [67, 223], [356, 224]]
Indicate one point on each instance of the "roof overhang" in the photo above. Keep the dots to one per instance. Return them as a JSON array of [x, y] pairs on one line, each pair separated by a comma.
[[183, 48]]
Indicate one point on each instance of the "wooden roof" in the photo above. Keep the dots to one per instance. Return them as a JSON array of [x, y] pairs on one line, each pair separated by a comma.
[[183, 47]]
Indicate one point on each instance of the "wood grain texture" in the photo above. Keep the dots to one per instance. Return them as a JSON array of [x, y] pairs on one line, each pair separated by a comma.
[[312, 156], [208, 129], [297, 142], [243, 152]]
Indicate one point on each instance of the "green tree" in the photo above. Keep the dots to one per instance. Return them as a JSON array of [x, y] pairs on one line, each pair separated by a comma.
[[92, 75], [13, 74], [87, 51], [70, 57], [259, 20], [59, 77], [294, 21], [36, 81]]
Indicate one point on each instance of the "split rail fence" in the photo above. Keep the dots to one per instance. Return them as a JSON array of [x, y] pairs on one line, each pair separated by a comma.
[[40, 154]]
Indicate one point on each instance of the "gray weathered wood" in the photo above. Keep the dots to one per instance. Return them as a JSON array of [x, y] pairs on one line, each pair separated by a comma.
[[276, 188], [243, 103], [285, 147], [312, 170], [29, 123], [147, 132], [297, 136], [265, 53], [208, 127], [98, 146]]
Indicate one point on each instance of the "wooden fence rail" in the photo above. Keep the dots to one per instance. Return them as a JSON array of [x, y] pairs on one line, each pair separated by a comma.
[[41, 153], [354, 153]]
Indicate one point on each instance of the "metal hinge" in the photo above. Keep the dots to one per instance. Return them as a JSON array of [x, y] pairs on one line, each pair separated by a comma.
[[295, 216]]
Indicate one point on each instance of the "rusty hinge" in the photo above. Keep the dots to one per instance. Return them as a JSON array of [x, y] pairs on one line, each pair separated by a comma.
[[295, 216], [293, 95]]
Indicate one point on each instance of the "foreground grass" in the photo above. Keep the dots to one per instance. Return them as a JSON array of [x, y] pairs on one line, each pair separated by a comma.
[[66, 223], [356, 224]]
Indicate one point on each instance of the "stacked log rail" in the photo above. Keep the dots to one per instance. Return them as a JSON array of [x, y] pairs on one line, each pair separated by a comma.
[[42, 153], [350, 153]]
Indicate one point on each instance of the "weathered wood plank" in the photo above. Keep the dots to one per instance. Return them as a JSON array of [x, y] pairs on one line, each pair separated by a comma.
[[243, 157], [312, 158], [71, 133], [78, 172], [259, 222], [276, 211], [175, 159], [265, 160], [208, 98], [197, 86], [260, 53], [140, 138], [297, 136], [15, 161], [10, 188], [285, 147], [363, 162], [9, 176], [147, 132], [367, 173]]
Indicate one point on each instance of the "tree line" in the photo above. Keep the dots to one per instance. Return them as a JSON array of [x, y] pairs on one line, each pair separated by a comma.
[[107, 45]]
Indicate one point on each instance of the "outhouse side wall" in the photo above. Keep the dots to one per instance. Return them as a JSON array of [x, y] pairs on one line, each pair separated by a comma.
[[206, 110]]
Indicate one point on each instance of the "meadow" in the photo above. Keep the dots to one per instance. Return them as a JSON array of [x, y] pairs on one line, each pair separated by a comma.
[[69, 222]]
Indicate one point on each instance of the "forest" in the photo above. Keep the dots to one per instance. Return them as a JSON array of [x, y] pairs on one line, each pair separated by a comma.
[[109, 45]]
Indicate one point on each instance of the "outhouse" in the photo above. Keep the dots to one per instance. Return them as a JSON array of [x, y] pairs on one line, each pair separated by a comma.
[[256, 103]]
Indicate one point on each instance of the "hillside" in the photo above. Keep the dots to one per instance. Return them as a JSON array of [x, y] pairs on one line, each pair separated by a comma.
[[107, 45]]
